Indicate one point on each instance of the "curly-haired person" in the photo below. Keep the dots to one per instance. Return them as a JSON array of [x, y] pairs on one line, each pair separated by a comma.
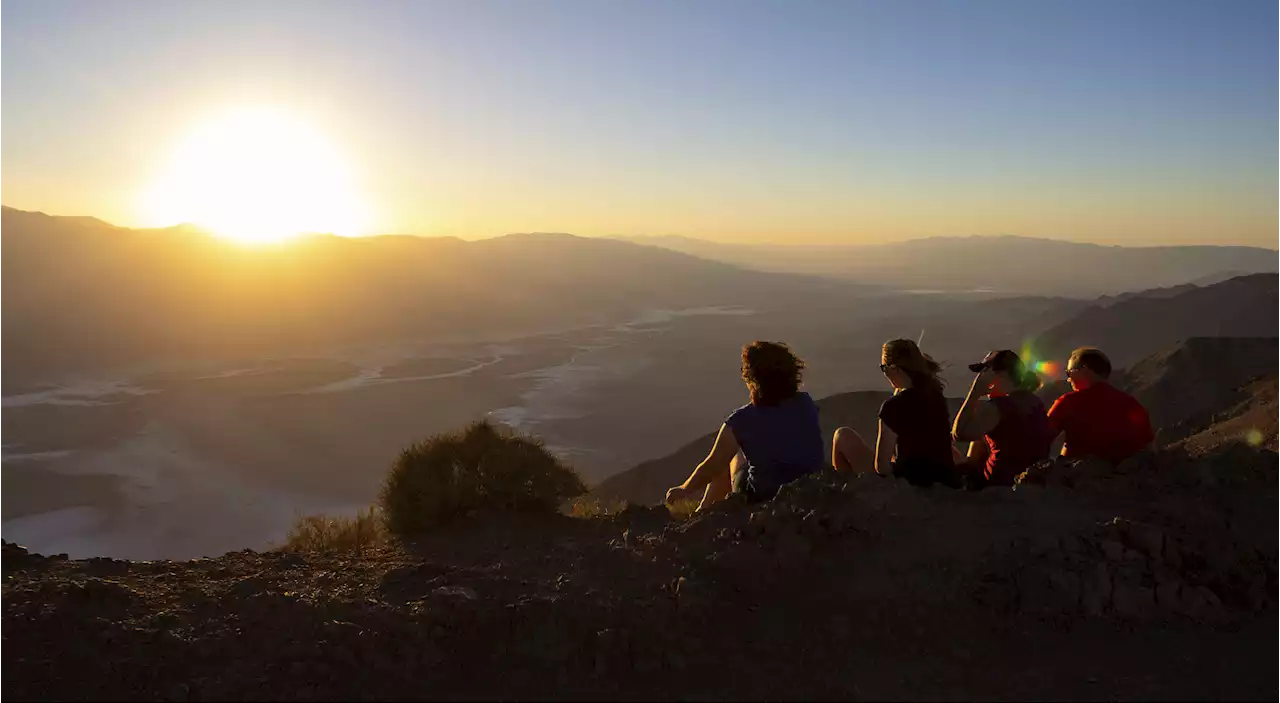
[[766, 443]]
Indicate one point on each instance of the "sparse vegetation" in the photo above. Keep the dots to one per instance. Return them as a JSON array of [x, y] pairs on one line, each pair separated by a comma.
[[588, 507], [684, 509], [482, 467], [322, 533]]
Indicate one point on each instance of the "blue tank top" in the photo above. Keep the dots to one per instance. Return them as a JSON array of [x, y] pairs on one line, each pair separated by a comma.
[[781, 442]]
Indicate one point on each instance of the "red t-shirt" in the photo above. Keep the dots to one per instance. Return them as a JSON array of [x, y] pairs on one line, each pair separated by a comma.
[[1101, 421]]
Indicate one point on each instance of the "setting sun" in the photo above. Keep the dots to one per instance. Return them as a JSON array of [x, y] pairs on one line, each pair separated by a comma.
[[257, 176]]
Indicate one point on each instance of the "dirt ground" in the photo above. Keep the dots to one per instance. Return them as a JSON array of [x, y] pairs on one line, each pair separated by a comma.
[[1155, 581]]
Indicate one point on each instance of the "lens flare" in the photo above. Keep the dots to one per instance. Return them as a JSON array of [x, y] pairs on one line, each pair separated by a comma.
[[1047, 368]]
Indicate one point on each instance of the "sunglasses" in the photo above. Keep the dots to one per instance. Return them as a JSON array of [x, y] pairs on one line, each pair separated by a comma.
[[1072, 370], [885, 367]]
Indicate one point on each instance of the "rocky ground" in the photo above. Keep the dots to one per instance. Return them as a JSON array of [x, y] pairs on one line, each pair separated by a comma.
[[1156, 581]]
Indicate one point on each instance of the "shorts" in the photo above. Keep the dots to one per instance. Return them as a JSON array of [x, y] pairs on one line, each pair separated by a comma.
[[924, 473]]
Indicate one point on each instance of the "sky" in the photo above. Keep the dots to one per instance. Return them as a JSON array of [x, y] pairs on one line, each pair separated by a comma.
[[1138, 122]]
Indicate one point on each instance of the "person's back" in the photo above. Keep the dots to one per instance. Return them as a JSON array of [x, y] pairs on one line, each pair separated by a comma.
[[921, 420], [780, 442], [1022, 437], [1101, 421], [1096, 418]]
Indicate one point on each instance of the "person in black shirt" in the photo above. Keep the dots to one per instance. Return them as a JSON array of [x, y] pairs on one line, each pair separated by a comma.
[[914, 439]]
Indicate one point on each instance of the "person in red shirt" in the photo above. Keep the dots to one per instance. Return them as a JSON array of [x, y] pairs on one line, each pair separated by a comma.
[[1097, 419]]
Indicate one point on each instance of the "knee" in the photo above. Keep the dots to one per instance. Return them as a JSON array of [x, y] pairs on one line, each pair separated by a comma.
[[847, 436]]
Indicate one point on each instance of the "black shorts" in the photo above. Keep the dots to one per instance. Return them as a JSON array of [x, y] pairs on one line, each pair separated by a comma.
[[925, 473]]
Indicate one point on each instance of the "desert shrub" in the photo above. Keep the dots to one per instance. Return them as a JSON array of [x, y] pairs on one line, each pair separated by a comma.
[[323, 533], [593, 507], [482, 467], [684, 509]]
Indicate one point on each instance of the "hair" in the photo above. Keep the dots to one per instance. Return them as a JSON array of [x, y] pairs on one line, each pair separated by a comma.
[[919, 367], [772, 372], [1013, 366], [1093, 359]]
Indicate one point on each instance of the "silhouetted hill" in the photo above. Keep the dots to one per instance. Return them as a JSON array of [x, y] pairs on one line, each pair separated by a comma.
[[648, 482], [83, 295], [1199, 376], [1008, 264], [1251, 419], [1132, 328]]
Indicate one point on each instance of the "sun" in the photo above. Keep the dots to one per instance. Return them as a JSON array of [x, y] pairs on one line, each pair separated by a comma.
[[256, 175]]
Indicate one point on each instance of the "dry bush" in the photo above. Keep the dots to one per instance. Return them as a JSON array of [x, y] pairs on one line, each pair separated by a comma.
[[592, 507], [482, 467], [684, 509], [323, 533]]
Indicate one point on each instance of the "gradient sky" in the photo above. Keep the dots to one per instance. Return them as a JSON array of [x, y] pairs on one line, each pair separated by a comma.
[[1129, 122]]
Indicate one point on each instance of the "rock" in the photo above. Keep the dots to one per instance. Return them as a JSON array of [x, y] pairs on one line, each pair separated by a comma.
[[1135, 601], [1168, 595], [1112, 550], [1147, 539], [792, 549], [248, 586], [1095, 589], [1066, 588], [688, 593]]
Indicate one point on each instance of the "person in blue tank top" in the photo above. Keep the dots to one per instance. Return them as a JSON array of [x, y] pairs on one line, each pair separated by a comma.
[[766, 443]]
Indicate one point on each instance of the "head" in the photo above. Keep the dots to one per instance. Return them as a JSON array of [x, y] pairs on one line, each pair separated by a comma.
[[1008, 373], [1087, 366], [907, 367], [772, 372]]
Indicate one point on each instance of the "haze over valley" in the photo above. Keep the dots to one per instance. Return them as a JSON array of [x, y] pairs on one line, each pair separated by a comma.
[[158, 383]]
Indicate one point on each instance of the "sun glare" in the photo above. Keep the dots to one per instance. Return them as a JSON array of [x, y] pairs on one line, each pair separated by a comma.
[[256, 176]]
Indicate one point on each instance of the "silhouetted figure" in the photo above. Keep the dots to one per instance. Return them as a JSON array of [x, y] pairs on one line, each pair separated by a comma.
[[1097, 419], [1004, 421], [914, 439], [766, 443]]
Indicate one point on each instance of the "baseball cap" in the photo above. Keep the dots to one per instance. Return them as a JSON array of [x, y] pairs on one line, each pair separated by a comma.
[[1000, 360]]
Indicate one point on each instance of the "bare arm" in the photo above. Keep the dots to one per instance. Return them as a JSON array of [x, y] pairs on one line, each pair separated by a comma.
[[1059, 444], [976, 418], [722, 453], [886, 443]]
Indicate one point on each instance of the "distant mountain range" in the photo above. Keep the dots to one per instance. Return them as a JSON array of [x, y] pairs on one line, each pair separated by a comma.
[[1137, 325], [1004, 264], [80, 294]]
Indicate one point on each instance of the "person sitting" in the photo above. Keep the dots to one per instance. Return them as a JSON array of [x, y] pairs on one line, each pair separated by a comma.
[[914, 438], [1003, 420], [769, 442], [1095, 418]]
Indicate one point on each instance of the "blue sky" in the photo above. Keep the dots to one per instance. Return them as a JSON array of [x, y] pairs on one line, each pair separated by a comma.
[[1128, 122]]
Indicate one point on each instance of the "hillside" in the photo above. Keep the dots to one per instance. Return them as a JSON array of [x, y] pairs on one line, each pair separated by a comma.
[[1251, 415], [648, 482], [1007, 264], [1129, 329], [1200, 375], [858, 588], [82, 295]]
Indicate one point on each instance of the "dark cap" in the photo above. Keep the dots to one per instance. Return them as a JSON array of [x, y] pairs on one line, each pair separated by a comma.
[[1002, 360]]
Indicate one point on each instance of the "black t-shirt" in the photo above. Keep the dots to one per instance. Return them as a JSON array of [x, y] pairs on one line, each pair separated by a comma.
[[920, 418]]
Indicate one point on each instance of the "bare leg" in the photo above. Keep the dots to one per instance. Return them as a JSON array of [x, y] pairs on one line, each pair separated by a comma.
[[850, 452], [720, 486]]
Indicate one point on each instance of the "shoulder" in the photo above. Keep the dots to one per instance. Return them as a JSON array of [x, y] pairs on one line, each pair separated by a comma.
[[740, 415], [1064, 402]]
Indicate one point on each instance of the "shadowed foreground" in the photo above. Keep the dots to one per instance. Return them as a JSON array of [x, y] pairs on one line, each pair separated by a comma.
[[1124, 585]]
